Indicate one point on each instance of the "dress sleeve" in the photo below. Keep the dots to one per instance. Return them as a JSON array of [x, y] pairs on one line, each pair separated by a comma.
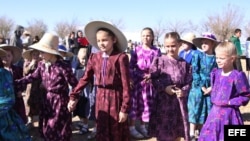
[[242, 87], [84, 80], [159, 80], [124, 67], [135, 73], [195, 63], [21, 83], [188, 80], [69, 76]]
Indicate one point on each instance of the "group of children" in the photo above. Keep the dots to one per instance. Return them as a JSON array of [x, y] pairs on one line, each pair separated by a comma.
[[175, 93]]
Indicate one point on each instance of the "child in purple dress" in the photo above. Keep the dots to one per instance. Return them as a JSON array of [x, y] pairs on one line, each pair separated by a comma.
[[56, 76], [142, 91], [172, 78], [230, 89]]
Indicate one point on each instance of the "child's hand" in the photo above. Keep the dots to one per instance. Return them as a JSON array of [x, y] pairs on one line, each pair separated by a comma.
[[170, 89], [72, 105], [208, 91], [204, 89], [178, 92], [122, 117]]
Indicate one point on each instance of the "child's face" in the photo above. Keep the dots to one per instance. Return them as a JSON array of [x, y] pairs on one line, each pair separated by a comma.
[[82, 58], [171, 46], [207, 45], [146, 37], [186, 46], [35, 55], [104, 41], [7, 60], [45, 56], [223, 60]]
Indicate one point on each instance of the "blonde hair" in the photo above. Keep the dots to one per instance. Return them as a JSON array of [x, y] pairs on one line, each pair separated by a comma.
[[227, 47]]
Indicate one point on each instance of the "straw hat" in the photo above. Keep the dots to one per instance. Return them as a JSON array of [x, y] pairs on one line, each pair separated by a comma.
[[17, 52], [92, 27], [48, 43], [188, 38], [62, 49], [2, 52], [27, 54], [206, 35]]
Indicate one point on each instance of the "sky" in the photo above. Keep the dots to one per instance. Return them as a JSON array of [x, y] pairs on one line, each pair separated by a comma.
[[134, 14]]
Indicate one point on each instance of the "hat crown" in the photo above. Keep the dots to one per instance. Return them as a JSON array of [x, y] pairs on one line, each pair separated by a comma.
[[209, 35], [189, 37], [50, 40]]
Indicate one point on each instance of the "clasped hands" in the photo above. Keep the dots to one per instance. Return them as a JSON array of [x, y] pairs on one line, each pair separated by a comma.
[[172, 89], [206, 91]]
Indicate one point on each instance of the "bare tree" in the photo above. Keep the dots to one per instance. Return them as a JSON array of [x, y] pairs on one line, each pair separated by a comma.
[[63, 28], [223, 24], [159, 29], [37, 27], [247, 29], [6, 26], [178, 26], [116, 22]]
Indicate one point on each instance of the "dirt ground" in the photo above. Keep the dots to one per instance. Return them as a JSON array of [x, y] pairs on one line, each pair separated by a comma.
[[245, 110]]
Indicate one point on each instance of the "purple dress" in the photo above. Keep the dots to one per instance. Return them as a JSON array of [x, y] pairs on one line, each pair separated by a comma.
[[228, 94], [169, 118], [142, 93], [55, 119]]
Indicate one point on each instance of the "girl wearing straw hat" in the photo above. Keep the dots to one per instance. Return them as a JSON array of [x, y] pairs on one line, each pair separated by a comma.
[[12, 127], [14, 54], [55, 119], [110, 67]]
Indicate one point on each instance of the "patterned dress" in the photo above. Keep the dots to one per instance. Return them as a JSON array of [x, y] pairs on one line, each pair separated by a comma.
[[112, 82], [228, 94], [12, 127], [55, 119], [142, 94], [19, 106], [169, 114], [199, 104]]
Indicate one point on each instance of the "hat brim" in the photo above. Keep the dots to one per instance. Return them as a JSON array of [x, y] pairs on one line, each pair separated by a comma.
[[197, 41], [43, 48], [2, 52], [17, 52], [92, 27], [193, 45], [66, 53], [27, 54]]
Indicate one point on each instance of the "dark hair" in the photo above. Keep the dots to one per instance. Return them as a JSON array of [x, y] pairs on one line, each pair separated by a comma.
[[173, 35], [152, 33], [237, 30], [110, 33], [248, 38], [1, 63]]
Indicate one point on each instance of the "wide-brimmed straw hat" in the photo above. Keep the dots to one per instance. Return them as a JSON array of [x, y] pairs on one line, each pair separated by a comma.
[[65, 53], [17, 52], [188, 38], [48, 43], [27, 54], [206, 35], [92, 27], [2, 52]]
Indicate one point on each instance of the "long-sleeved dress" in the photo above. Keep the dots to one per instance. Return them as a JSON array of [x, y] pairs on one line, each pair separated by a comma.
[[228, 94], [142, 94], [112, 94], [199, 104], [55, 119], [169, 114], [12, 127]]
